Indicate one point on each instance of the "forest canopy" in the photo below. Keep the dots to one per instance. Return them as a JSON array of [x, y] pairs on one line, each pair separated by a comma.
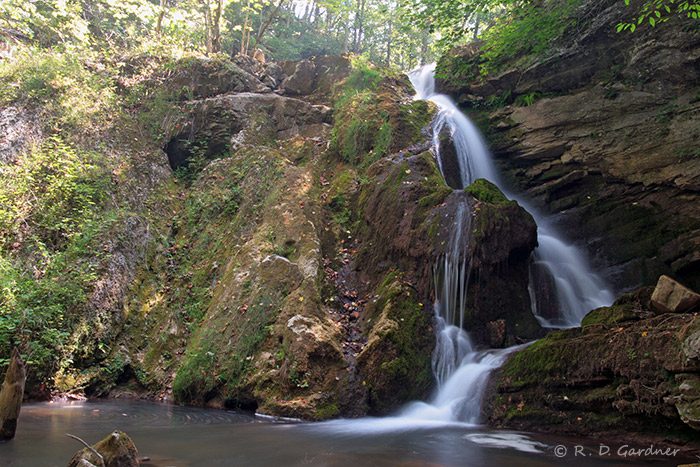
[[401, 34]]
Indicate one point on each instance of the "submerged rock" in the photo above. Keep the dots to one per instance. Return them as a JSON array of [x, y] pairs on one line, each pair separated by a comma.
[[117, 450]]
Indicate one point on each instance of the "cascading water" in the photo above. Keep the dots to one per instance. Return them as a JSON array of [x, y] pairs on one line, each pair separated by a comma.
[[460, 371], [578, 289]]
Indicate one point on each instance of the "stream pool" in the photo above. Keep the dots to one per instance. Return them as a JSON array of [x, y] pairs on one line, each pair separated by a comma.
[[183, 436]]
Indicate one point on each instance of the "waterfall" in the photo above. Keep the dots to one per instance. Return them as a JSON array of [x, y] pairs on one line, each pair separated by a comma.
[[577, 288], [461, 372]]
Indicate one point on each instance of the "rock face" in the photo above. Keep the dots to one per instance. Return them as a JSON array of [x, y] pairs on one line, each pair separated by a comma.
[[627, 366], [608, 144], [408, 213], [223, 122], [11, 396], [283, 263], [117, 450]]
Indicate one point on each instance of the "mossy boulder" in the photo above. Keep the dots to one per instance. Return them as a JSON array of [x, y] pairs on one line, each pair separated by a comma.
[[408, 215], [375, 116], [395, 364]]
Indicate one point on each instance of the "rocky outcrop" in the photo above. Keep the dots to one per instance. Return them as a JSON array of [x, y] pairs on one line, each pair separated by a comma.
[[116, 450], [409, 214], [629, 365], [215, 127], [608, 142], [19, 132], [315, 76]]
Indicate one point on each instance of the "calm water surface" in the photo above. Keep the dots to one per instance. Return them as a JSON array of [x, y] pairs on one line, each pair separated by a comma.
[[183, 436]]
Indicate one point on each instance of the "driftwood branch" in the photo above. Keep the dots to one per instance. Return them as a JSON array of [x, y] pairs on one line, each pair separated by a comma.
[[99, 456]]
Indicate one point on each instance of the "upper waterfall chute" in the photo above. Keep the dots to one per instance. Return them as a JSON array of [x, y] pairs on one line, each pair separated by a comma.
[[578, 288]]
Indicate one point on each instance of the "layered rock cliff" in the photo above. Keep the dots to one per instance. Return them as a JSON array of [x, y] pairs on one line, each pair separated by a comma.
[[608, 143]]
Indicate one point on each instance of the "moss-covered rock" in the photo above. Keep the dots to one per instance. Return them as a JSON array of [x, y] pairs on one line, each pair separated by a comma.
[[623, 372], [395, 364], [408, 214], [116, 450]]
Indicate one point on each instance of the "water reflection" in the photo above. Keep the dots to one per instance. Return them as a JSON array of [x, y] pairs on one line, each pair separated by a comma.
[[190, 437]]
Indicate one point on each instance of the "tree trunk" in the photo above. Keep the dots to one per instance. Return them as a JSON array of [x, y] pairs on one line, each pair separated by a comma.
[[359, 23], [161, 15], [388, 41], [424, 48], [216, 27], [11, 396], [207, 27], [264, 28], [244, 38]]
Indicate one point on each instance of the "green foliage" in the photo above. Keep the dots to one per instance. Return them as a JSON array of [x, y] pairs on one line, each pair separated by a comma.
[[526, 100], [53, 191], [457, 70], [658, 11], [529, 34], [51, 211], [686, 153], [62, 85]]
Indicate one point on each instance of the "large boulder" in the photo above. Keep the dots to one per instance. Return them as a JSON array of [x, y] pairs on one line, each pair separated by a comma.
[[214, 127], [302, 81], [670, 296], [410, 213]]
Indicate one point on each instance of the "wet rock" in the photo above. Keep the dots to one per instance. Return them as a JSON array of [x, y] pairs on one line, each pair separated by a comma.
[[688, 402], [117, 450], [671, 297], [691, 346], [11, 396], [409, 212], [395, 363]]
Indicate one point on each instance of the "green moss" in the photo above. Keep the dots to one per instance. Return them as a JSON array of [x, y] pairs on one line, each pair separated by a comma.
[[327, 411], [397, 365], [546, 358], [373, 118], [609, 315], [219, 357], [486, 192]]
